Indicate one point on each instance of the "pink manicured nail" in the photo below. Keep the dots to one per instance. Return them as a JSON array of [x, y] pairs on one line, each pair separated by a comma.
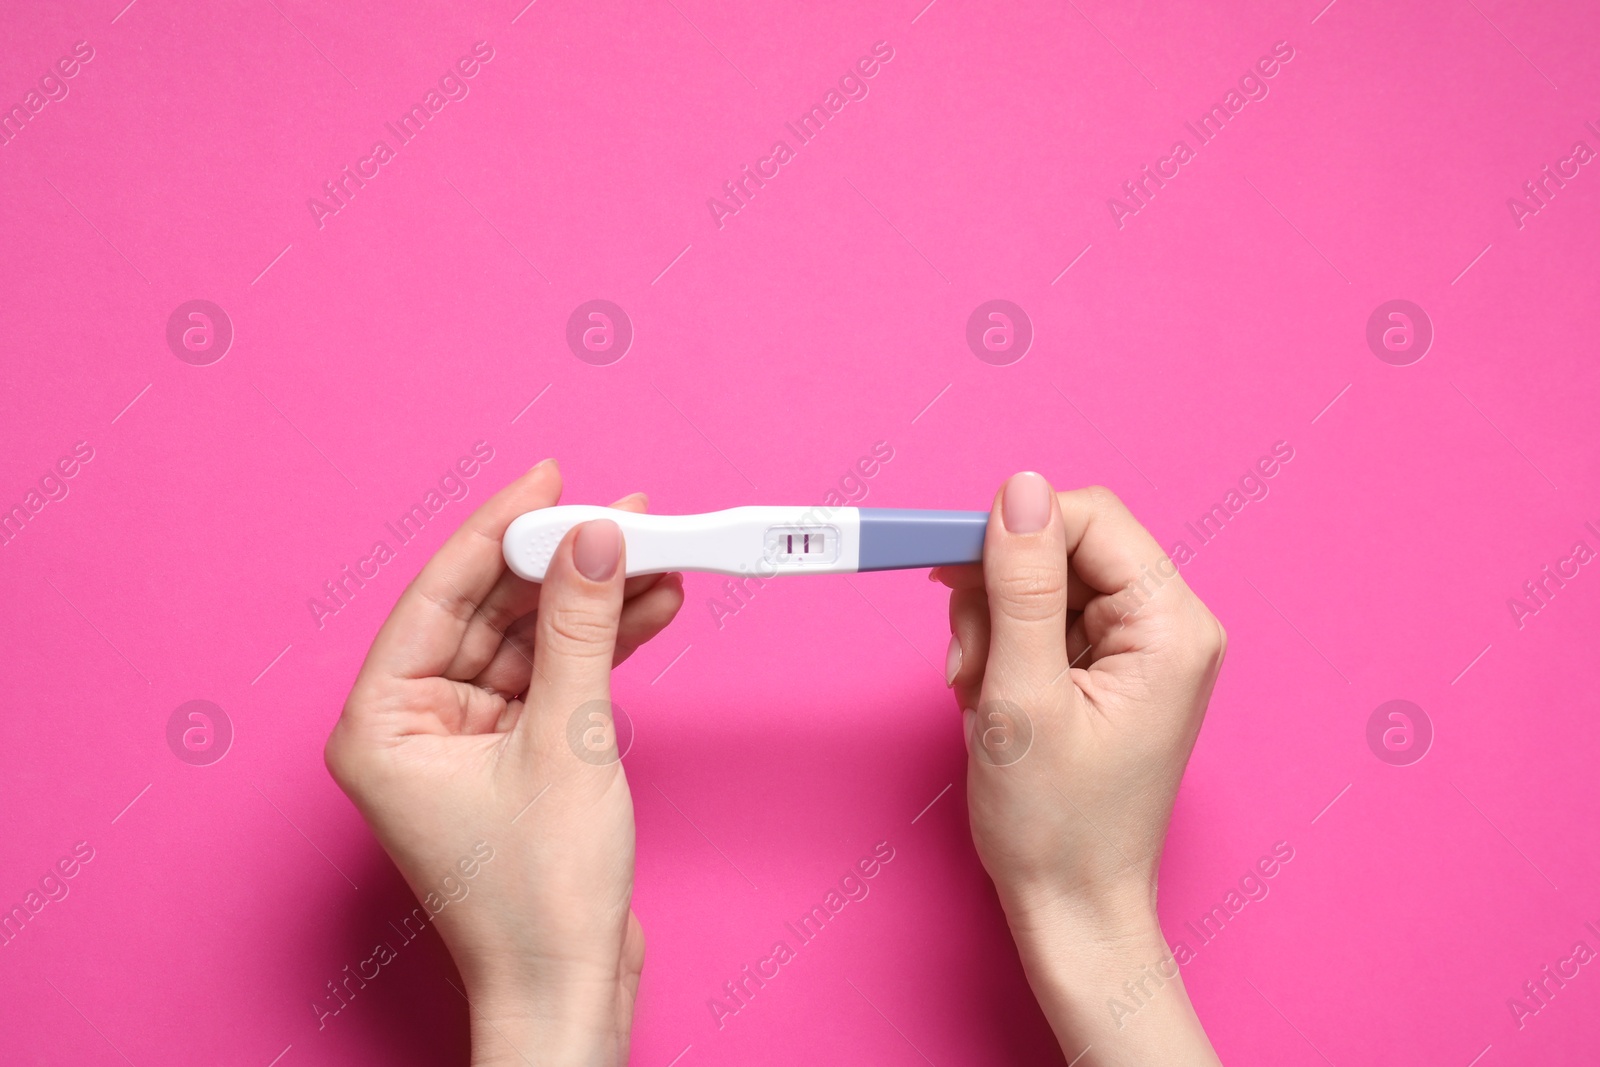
[[952, 661], [597, 548], [1025, 504]]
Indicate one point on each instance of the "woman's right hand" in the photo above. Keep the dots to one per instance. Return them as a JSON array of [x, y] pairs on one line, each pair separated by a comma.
[[478, 744]]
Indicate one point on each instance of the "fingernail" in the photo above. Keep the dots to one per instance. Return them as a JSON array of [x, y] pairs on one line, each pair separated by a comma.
[[1025, 504], [597, 548], [952, 661], [548, 461], [933, 575], [969, 722]]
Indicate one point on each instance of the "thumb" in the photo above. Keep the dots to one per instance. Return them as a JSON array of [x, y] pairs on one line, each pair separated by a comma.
[[1025, 577], [575, 639]]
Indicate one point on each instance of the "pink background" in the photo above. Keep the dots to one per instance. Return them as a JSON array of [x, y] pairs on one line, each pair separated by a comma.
[[771, 354]]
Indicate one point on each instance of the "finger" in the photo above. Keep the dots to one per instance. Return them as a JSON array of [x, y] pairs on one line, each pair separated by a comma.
[[640, 503], [647, 615], [514, 598], [482, 708], [1025, 576], [970, 576], [575, 633], [1108, 547], [643, 617], [1111, 625], [1080, 650], [958, 575], [503, 624], [969, 645], [425, 630], [510, 669], [509, 717]]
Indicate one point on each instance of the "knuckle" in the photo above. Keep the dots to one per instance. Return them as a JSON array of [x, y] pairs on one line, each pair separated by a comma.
[[1031, 591], [575, 630], [333, 757], [1220, 639], [1207, 643], [339, 755], [1102, 499]]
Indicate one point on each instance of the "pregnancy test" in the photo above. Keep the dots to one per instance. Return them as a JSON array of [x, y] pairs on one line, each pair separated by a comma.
[[761, 540]]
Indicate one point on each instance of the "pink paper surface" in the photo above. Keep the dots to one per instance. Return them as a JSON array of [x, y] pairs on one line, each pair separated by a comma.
[[1178, 336]]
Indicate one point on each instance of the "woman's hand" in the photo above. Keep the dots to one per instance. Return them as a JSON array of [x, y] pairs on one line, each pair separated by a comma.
[[480, 726], [1083, 665]]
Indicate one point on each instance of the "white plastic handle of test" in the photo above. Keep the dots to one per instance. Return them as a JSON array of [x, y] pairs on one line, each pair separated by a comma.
[[764, 540]]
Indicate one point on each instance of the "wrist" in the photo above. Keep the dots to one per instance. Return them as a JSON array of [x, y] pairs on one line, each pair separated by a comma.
[[1101, 915], [1108, 982], [575, 1024], [1085, 937]]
